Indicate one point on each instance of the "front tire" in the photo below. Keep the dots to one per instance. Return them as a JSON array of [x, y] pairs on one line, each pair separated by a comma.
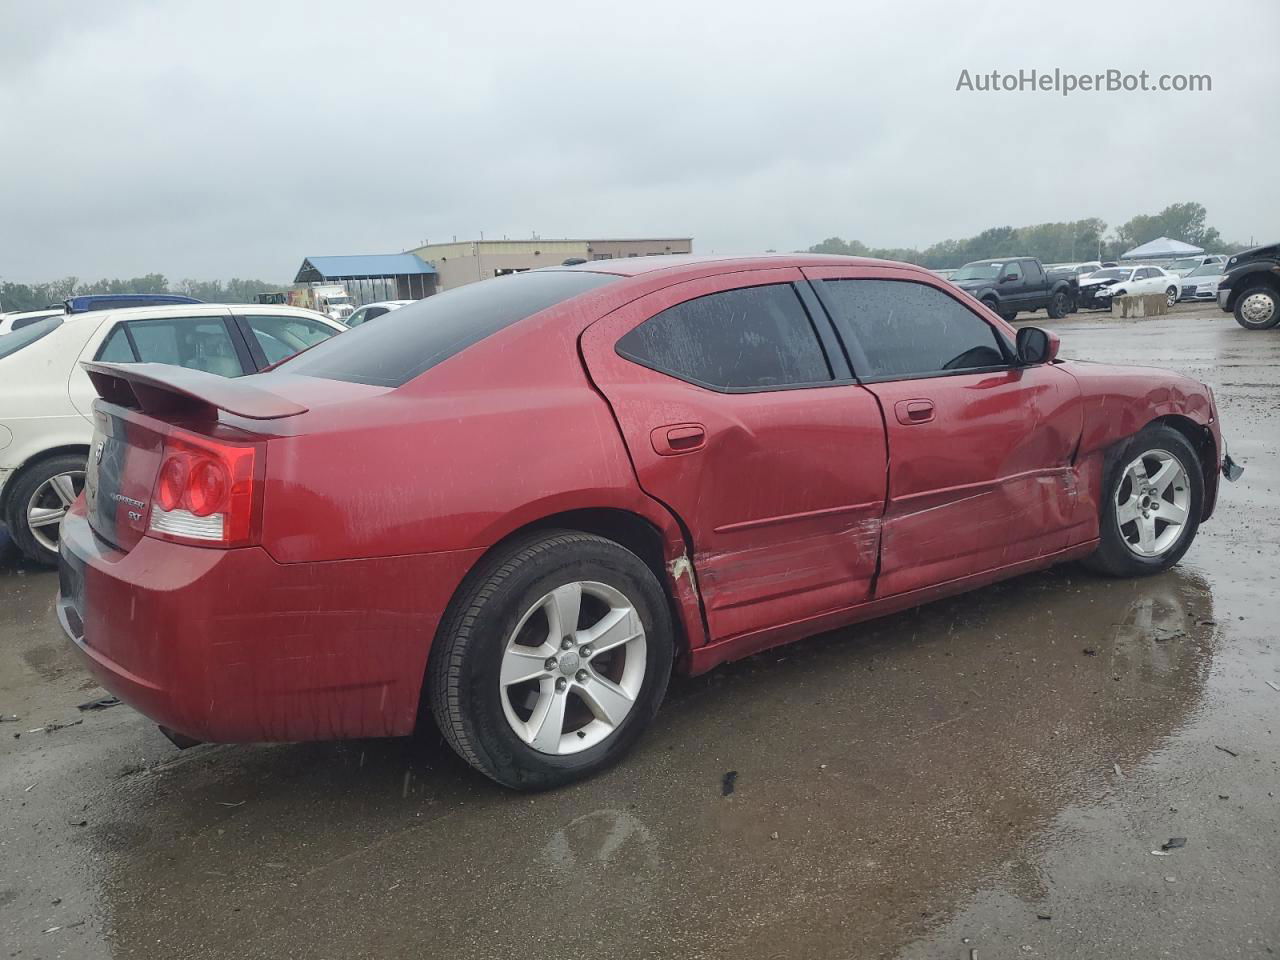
[[1152, 501], [551, 660], [38, 501], [1059, 306], [1258, 308]]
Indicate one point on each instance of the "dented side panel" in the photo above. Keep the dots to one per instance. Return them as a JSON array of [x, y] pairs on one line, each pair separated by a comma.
[[782, 500], [989, 481]]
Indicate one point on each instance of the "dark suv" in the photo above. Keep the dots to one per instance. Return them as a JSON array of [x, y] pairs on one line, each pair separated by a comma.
[[1251, 287]]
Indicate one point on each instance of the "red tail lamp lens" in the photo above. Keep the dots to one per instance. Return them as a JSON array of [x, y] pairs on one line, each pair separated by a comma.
[[207, 487], [172, 483], [210, 488]]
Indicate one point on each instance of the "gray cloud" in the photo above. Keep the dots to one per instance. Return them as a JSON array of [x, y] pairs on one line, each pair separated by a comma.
[[208, 140]]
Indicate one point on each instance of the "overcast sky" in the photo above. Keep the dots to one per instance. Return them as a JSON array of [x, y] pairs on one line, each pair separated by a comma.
[[212, 140]]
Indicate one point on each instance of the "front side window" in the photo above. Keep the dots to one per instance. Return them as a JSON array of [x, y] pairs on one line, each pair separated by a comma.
[[280, 337], [198, 343], [1013, 270], [910, 329], [754, 338]]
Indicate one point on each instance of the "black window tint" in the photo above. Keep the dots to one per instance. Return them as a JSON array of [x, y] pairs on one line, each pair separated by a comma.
[[755, 337], [408, 341], [11, 343], [910, 329], [116, 348]]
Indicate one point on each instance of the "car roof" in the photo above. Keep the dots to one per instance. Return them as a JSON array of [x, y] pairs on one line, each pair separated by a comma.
[[160, 311], [386, 303], [702, 264]]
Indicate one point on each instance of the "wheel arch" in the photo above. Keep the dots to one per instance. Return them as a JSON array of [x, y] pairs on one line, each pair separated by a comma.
[[35, 459], [1263, 277], [1203, 443], [665, 552]]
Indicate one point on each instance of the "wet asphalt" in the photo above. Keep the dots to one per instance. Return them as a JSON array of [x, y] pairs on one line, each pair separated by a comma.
[[991, 773]]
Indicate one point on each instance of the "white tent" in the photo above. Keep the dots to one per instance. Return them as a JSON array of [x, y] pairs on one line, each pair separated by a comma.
[[1161, 247]]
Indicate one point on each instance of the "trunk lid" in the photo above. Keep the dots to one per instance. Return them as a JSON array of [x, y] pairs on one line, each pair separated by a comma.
[[142, 405]]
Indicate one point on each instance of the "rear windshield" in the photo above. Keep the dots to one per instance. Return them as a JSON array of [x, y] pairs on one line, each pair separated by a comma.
[[408, 341], [13, 342]]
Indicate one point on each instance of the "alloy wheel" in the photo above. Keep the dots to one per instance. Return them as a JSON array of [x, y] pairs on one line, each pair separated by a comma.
[[573, 668], [49, 504], [1152, 503], [1171, 296]]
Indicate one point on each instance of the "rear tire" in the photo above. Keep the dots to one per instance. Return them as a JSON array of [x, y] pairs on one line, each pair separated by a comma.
[[1171, 296], [1131, 502], [579, 708], [37, 501], [1258, 308]]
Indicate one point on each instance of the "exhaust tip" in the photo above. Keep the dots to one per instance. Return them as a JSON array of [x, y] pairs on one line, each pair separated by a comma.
[[180, 740]]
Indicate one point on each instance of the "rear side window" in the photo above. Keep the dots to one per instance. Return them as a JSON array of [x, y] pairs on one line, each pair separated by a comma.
[[907, 329], [411, 340], [12, 342], [280, 337], [755, 338], [197, 343]]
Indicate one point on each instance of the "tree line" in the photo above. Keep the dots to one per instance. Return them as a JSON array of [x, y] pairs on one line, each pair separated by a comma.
[[34, 296], [1071, 242]]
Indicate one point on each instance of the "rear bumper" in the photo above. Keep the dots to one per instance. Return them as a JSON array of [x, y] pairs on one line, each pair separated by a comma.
[[228, 645]]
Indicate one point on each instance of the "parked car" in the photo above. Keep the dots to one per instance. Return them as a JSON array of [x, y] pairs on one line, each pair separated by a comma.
[[1250, 287], [1098, 289], [46, 399], [513, 506], [16, 321], [1076, 270], [1009, 285], [1201, 283], [370, 310], [1185, 265], [90, 302]]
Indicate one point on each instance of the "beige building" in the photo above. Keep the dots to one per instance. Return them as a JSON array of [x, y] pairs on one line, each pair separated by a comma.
[[471, 260]]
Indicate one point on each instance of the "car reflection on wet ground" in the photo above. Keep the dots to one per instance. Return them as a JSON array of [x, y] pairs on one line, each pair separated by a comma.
[[922, 786]]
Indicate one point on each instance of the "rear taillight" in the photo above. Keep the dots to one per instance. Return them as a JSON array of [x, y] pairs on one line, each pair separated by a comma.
[[205, 493]]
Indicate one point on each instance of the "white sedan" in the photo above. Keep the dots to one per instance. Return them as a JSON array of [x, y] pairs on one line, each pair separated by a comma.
[[1201, 283], [10, 322], [1100, 287], [46, 399], [371, 310]]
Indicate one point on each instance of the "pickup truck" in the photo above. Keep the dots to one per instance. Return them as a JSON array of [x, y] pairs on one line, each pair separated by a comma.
[[1010, 285], [1250, 287]]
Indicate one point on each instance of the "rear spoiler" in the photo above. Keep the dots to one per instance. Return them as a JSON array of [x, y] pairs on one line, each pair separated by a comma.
[[162, 389]]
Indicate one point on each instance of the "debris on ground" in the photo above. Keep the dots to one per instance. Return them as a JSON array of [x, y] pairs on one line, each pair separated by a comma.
[[1043, 916], [55, 725], [238, 803], [774, 835], [78, 823], [1170, 879], [1174, 843], [102, 703], [1116, 768], [8, 718], [1089, 652], [727, 784], [1230, 753], [1270, 683]]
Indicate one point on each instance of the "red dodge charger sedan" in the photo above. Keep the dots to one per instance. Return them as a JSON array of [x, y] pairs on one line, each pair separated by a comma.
[[515, 506]]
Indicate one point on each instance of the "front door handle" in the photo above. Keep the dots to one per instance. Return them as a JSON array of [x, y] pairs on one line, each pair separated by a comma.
[[911, 412], [677, 438]]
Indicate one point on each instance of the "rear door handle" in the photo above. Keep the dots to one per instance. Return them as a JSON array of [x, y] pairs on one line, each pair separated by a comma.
[[914, 411], [676, 438]]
